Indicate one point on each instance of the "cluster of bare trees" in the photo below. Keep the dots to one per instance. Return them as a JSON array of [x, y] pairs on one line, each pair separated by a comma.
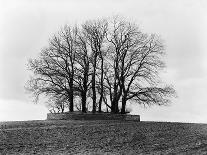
[[102, 63]]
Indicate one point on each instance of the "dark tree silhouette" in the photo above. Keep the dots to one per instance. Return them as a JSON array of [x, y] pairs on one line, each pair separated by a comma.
[[83, 68], [110, 59], [134, 59], [54, 69], [95, 32]]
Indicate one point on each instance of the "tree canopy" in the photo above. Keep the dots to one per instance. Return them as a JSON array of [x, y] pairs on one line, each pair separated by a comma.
[[101, 63]]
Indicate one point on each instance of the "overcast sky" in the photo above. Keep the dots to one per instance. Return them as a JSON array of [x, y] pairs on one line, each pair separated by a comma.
[[26, 26]]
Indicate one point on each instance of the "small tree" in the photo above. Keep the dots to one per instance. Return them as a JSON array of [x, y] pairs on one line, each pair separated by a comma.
[[57, 104]]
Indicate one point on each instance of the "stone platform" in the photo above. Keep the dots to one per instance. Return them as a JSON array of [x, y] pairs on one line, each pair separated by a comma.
[[91, 116]]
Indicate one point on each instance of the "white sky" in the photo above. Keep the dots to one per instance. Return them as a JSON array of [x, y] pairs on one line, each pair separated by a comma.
[[26, 26]]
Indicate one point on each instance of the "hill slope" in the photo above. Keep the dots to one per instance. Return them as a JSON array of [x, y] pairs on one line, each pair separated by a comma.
[[112, 137]]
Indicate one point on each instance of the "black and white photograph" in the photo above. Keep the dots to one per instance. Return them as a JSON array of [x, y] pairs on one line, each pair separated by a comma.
[[103, 77]]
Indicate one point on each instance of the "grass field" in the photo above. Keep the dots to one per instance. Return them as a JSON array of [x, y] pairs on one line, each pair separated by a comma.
[[102, 137]]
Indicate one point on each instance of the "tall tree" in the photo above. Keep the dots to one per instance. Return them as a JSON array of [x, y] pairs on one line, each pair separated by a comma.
[[116, 39], [83, 68], [96, 31], [109, 59], [136, 61], [139, 78], [54, 69]]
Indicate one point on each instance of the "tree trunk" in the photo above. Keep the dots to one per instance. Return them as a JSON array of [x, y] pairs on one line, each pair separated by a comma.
[[83, 94], [85, 88], [71, 95], [116, 106], [123, 108], [112, 107], [71, 102], [113, 102], [101, 93], [62, 108], [94, 92]]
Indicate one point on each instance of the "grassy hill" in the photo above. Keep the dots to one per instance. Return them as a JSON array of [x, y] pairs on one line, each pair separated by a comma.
[[102, 137]]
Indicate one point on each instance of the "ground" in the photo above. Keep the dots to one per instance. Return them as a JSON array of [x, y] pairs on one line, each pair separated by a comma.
[[102, 137]]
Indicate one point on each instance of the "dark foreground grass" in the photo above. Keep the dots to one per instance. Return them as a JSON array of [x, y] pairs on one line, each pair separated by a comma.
[[102, 137]]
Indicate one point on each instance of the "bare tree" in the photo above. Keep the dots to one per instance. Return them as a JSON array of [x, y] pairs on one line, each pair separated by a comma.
[[116, 39], [96, 31], [136, 60], [82, 68], [54, 69], [109, 59], [57, 103], [139, 71]]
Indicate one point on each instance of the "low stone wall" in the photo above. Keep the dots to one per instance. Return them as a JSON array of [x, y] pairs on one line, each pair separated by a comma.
[[90, 116]]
